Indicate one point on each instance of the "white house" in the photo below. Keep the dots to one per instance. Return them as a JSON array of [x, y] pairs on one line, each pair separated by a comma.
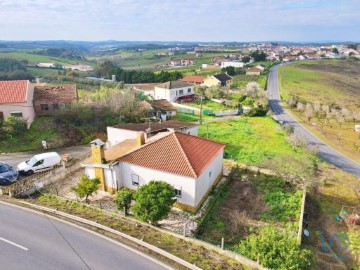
[[192, 165], [174, 91], [232, 64], [16, 99], [119, 133], [162, 108]]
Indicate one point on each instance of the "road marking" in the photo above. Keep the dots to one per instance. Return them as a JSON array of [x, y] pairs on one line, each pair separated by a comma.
[[14, 244]]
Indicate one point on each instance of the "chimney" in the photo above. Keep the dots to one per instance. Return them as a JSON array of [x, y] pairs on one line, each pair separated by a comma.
[[98, 157], [113, 78], [141, 138], [97, 151]]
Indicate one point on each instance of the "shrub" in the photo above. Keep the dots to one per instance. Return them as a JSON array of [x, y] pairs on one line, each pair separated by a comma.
[[258, 111], [123, 199], [276, 249], [153, 201], [86, 187]]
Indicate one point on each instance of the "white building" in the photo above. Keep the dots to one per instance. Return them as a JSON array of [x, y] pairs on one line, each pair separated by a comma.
[[232, 64], [192, 165], [174, 91], [120, 133], [16, 99]]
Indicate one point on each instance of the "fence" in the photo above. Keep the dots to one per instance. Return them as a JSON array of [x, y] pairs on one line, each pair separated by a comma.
[[227, 113], [301, 220], [41, 179], [187, 111]]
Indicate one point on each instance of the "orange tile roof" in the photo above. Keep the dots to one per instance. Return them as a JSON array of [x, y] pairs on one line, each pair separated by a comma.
[[176, 153], [13, 91], [193, 79]]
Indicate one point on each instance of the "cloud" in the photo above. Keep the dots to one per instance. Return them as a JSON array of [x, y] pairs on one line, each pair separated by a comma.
[[169, 19]]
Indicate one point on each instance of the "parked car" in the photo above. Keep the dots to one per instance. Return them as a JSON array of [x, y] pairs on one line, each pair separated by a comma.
[[7, 174], [39, 163]]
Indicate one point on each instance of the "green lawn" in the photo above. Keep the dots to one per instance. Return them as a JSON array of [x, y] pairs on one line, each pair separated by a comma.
[[208, 105], [190, 117], [240, 81], [250, 140]]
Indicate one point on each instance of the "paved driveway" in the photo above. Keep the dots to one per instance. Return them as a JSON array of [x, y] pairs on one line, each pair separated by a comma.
[[14, 159]]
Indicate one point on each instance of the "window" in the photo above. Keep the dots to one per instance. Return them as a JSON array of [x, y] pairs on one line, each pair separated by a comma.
[[55, 106], [209, 174], [16, 114], [189, 90], [181, 92], [135, 180], [39, 163], [177, 191], [44, 107]]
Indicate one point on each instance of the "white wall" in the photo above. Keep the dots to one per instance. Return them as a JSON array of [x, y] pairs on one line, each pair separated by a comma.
[[232, 64], [187, 184], [204, 182], [26, 108], [117, 135], [193, 190], [193, 130], [90, 172], [172, 94]]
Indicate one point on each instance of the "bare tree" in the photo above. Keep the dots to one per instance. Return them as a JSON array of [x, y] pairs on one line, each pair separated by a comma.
[[296, 141], [317, 107], [292, 101], [309, 111], [252, 89], [339, 138], [347, 114], [300, 106], [340, 118], [325, 108]]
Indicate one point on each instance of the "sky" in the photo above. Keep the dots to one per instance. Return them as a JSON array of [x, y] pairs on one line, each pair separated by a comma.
[[181, 20]]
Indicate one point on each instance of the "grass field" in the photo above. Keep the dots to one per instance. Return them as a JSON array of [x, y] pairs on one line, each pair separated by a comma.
[[34, 58], [324, 81], [240, 81], [40, 72], [149, 60], [250, 140], [330, 82]]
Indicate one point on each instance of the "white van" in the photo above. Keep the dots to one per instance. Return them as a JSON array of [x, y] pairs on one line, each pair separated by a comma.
[[39, 163]]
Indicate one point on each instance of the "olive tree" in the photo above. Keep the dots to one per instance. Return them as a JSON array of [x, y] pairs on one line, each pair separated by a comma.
[[86, 187], [123, 200]]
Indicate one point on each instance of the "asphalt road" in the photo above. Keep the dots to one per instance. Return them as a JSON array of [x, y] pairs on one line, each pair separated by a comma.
[[14, 159], [30, 240], [326, 152]]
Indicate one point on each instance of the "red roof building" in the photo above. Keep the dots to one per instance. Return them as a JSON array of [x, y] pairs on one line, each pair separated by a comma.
[[198, 80], [16, 99], [190, 164]]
